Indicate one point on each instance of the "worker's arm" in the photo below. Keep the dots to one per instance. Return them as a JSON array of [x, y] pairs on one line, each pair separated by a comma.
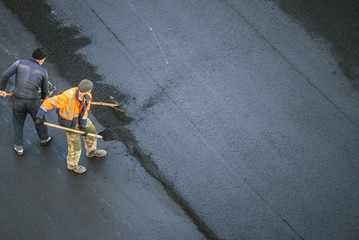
[[45, 86], [7, 75], [50, 103], [84, 112]]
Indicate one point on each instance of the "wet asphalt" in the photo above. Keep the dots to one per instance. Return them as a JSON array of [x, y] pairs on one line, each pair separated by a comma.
[[243, 120]]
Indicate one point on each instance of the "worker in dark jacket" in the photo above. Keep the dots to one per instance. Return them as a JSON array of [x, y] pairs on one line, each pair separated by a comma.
[[30, 77]]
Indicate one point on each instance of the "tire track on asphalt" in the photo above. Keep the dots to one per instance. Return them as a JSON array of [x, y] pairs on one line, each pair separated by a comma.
[[107, 27]]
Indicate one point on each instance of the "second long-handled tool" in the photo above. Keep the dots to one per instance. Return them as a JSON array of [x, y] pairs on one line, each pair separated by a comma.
[[115, 104], [71, 130]]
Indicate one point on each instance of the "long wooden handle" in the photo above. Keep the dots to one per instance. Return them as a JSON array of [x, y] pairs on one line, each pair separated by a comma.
[[71, 130], [116, 106], [105, 104], [93, 103]]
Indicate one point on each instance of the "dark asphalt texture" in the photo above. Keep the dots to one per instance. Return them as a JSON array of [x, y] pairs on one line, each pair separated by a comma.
[[63, 42], [336, 21]]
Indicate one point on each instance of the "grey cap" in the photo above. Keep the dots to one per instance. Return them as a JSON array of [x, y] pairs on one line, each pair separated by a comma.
[[85, 85]]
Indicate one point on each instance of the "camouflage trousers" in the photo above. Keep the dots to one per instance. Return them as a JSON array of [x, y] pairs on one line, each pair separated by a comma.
[[74, 143]]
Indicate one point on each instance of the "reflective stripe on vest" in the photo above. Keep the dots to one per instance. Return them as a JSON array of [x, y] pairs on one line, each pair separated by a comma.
[[69, 108], [53, 102], [43, 108]]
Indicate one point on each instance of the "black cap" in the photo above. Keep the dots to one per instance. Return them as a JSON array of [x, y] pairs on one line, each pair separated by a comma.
[[38, 54]]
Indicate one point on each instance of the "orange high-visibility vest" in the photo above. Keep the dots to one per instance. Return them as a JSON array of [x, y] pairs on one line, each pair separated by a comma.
[[68, 108]]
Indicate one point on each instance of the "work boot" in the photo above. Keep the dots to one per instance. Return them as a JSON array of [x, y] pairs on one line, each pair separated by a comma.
[[19, 150], [45, 141], [97, 153], [77, 168]]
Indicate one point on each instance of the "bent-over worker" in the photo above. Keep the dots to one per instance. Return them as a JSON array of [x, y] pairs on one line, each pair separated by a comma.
[[72, 107]]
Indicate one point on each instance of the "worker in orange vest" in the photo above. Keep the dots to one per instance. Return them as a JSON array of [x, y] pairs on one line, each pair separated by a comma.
[[72, 107]]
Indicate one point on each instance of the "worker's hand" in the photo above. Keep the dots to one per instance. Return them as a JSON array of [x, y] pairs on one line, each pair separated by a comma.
[[2, 93], [82, 129], [40, 121]]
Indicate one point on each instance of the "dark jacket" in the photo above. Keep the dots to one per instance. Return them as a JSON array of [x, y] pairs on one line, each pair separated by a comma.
[[30, 77]]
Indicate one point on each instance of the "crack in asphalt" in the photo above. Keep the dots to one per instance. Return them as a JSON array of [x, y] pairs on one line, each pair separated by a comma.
[[108, 28], [61, 44]]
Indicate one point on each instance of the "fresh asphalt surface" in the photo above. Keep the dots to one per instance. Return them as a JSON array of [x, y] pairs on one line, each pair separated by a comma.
[[244, 122]]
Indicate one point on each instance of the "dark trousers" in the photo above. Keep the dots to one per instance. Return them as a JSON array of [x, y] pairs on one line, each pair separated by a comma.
[[20, 109]]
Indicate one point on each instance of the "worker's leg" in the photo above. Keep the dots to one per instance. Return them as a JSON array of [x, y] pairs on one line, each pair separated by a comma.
[[74, 148], [91, 142], [41, 130], [18, 118]]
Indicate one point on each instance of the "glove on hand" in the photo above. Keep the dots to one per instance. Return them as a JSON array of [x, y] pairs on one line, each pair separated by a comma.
[[40, 121], [82, 129]]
